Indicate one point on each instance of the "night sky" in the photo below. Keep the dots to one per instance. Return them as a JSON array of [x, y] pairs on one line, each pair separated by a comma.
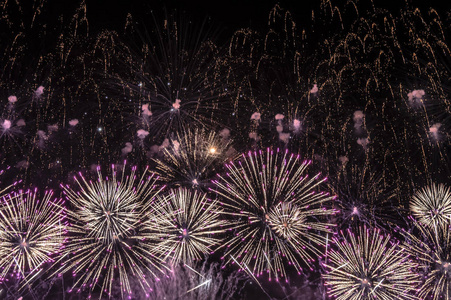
[[280, 137], [228, 15]]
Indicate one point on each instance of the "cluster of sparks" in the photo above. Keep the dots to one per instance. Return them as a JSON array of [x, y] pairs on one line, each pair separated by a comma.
[[430, 241], [124, 226], [174, 99]]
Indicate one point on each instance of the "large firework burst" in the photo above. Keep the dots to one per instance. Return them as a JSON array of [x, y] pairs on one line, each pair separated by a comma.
[[431, 205], [187, 224], [31, 233], [107, 232], [276, 209], [369, 266], [432, 251], [194, 157]]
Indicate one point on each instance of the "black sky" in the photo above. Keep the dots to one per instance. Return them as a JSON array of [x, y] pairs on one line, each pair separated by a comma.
[[228, 15]]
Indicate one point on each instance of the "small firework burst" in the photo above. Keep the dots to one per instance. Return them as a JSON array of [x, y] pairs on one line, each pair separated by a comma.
[[432, 251], [107, 233], [369, 266], [188, 225], [194, 157], [31, 233], [276, 210], [431, 205]]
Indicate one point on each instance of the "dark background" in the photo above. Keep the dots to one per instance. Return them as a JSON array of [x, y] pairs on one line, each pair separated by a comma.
[[228, 16]]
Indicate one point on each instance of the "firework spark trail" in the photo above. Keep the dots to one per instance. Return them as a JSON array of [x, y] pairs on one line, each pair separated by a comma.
[[201, 281], [249, 273], [185, 265], [31, 232], [431, 205], [108, 236], [4, 189], [200, 285], [369, 266], [186, 226], [276, 211]]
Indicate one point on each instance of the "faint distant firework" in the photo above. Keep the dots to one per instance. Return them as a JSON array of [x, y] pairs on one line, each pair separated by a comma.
[[187, 226], [194, 157], [431, 206], [363, 196], [32, 233], [107, 242], [172, 76], [369, 266], [276, 210]]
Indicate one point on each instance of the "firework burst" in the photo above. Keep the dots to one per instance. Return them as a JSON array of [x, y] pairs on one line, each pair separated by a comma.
[[188, 225], [431, 205], [432, 251], [176, 76], [194, 157], [31, 233], [107, 232], [277, 212], [369, 266], [363, 195]]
